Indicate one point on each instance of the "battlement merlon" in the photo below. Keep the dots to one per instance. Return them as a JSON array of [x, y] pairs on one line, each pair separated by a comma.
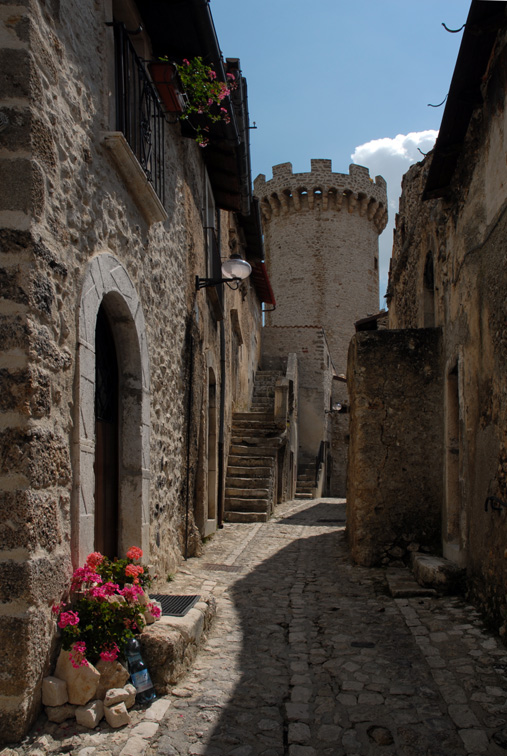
[[322, 178], [289, 192]]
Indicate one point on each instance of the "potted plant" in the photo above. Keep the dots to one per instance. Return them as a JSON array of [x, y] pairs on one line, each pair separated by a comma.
[[107, 607], [165, 78], [201, 91]]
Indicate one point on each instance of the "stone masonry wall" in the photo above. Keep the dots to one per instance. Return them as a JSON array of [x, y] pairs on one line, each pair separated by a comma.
[[63, 206], [464, 235], [394, 489]]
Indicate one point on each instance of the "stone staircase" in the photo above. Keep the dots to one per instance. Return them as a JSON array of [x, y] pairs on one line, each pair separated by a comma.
[[306, 480], [251, 469]]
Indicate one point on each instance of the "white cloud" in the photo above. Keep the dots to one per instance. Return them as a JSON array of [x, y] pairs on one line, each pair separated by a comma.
[[391, 158]]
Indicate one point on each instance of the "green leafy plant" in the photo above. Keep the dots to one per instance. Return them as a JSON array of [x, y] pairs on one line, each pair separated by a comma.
[[205, 93], [107, 607]]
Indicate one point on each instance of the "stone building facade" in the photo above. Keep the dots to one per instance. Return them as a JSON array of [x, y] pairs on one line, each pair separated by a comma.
[[321, 236], [447, 293], [119, 379]]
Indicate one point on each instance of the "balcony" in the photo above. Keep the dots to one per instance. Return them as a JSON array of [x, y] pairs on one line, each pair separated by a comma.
[[139, 116]]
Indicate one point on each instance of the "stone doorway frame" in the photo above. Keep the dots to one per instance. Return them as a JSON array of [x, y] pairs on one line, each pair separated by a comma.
[[107, 282]]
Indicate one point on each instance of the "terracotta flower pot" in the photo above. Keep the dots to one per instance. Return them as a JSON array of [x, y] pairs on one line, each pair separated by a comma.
[[165, 79]]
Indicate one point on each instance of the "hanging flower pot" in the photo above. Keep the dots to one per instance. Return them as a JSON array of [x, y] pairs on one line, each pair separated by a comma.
[[165, 79]]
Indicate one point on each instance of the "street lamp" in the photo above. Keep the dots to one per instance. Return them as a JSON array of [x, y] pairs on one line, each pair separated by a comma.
[[234, 270]]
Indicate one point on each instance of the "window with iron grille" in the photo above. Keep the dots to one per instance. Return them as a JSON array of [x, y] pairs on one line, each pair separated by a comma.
[[139, 115]]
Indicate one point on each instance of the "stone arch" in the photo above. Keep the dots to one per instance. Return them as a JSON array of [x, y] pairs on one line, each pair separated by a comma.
[[107, 282]]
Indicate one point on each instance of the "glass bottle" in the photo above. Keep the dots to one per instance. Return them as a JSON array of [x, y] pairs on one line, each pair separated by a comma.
[[141, 680]]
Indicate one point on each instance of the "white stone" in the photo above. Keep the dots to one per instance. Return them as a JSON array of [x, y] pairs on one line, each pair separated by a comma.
[[54, 691], [112, 675], [60, 713], [117, 715], [82, 682], [91, 714], [157, 710], [145, 729], [115, 696], [130, 701]]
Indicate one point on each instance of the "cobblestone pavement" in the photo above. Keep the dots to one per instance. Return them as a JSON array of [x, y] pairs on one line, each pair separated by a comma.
[[310, 655]]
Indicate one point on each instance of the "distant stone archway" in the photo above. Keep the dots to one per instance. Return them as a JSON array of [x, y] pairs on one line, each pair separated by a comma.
[[107, 283]]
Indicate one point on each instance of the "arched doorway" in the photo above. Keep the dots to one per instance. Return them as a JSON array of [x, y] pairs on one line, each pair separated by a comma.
[[111, 319], [107, 400]]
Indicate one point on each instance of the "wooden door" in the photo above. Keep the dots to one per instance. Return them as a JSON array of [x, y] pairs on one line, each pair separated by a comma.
[[106, 438]]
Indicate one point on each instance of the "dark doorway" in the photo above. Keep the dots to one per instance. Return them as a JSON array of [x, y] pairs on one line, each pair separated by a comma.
[[106, 438]]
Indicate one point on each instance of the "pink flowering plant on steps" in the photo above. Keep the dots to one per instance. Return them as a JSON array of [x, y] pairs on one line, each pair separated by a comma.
[[107, 607], [206, 95]]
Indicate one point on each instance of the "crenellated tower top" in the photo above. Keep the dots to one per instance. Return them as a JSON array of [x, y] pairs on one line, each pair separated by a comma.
[[321, 189]]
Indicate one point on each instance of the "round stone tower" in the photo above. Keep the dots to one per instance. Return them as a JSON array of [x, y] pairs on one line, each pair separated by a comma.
[[321, 240]]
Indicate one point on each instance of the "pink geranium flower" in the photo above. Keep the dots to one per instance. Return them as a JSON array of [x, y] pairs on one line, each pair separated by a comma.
[[109, 652], [94, 559], [134, 552], [68, 618], [77, 655]]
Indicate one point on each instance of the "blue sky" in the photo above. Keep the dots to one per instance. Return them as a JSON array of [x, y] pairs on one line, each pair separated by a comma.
[[336, 78]]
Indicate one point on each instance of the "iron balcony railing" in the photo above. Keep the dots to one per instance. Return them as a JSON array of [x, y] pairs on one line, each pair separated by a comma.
[[139, 115]]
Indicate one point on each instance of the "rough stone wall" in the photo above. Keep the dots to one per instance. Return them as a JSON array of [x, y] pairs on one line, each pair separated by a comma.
[[465, 233], [321, 236], [394, 488], [62, 205]]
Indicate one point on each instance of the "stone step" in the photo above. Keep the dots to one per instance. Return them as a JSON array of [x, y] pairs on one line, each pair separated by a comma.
[[239, 460], [255, 440], [256, 432], [256, 417], [298, 495], [238, 504], [242, 471], [304, 478], [254, 481], [245, 493], [245, 516], [263, 429], [255, 452]]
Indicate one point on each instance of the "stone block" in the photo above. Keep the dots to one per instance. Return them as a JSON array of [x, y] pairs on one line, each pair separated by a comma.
[[117, 715], [54, 691], [15, 73], [130, 701], [60, 713], [14, 333], [21, 186], [24, 641], [34, 581], [26, 391], [91, 714], [82, 682], [436, 572], [38, 453], [115, 696], [112, 675], [30, 519]]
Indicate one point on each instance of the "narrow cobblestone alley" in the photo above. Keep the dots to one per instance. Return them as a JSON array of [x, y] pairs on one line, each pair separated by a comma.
[[310, 656]]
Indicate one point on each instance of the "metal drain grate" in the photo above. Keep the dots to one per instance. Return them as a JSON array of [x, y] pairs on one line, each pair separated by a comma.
[[174, 606], [222, 567]]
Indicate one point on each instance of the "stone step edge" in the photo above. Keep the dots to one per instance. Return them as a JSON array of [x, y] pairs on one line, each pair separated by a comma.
[[178, 654]]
